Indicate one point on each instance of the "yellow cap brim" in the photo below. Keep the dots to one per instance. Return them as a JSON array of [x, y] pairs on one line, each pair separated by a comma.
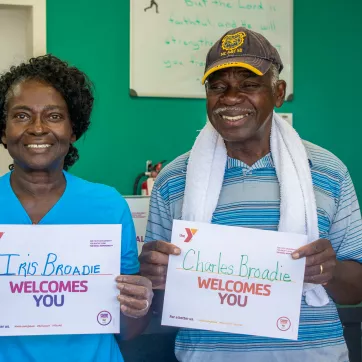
[[230, 65]]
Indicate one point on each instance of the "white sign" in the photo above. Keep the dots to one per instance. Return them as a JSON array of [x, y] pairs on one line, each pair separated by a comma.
[[139, 206], [59, 279], [235, 280]]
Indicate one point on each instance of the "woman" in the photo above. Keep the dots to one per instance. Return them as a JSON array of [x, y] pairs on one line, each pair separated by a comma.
[[45, 106]]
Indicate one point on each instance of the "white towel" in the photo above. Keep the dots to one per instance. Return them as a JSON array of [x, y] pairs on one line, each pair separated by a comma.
[[205, 175]]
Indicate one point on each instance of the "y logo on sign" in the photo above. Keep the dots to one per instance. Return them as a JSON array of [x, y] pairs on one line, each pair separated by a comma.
[[1, 234], [190, 233]]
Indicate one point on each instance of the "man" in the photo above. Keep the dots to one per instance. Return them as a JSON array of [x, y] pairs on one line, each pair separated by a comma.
[[242, 88]]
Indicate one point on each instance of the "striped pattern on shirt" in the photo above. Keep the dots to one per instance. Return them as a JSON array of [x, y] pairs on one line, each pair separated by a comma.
[[250, 197]]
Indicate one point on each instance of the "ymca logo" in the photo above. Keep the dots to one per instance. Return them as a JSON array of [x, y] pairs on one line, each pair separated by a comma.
[[1, 234], [189, 234]]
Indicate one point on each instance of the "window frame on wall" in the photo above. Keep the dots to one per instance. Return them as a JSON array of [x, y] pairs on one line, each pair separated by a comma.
[[38, 22]]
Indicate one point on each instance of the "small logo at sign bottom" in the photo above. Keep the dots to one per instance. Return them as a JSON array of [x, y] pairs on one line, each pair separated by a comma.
[[283, 324], [104, 318]]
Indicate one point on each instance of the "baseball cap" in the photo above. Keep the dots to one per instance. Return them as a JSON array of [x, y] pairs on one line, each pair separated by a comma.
[[243, 48]]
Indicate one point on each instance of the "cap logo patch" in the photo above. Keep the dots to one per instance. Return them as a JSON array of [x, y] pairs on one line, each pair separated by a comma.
[[232, 43]]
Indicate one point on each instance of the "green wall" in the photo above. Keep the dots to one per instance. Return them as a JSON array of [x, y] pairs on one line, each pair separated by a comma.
[[125, 132]]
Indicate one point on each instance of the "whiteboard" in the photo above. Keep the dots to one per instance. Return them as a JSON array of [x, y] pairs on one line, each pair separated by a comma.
[[169, 47]]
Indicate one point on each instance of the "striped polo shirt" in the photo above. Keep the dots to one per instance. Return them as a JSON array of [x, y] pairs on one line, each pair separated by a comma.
[[250, 197]]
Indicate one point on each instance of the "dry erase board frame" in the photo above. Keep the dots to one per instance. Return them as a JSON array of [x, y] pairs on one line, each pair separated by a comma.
[[169, 40]]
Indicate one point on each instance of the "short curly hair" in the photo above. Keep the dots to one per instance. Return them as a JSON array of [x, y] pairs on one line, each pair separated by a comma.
[[70, 82]]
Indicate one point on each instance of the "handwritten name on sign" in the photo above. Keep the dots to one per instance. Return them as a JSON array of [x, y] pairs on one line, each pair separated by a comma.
[[70, 268], [193, 262], [241, 274]]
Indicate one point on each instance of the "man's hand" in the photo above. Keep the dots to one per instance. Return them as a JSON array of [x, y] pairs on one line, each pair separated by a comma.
[[154, 261], [135, 295], [321, 261]]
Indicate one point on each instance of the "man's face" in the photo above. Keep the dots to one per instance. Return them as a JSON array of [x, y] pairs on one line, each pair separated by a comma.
[[240, 103]]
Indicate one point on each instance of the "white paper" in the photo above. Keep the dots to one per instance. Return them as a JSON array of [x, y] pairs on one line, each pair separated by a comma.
[[47, 298], [212, 285], [139, 206]]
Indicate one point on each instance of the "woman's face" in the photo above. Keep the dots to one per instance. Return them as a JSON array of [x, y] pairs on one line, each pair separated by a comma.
[[38, 128]]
